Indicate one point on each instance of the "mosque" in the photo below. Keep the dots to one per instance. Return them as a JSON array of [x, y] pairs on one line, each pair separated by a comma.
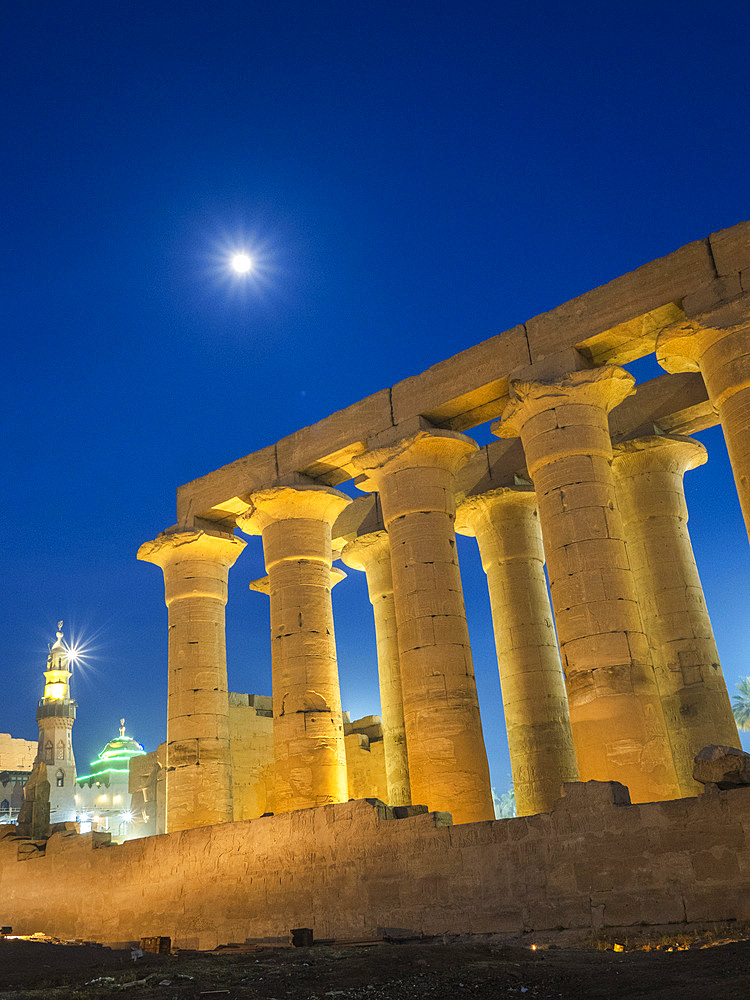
[[99, 800], [124, 792]]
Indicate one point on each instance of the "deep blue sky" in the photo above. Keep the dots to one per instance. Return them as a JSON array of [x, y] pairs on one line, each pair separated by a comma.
[[417, 176]]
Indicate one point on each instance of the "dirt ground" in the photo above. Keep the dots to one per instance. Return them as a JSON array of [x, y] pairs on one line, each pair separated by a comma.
[[484, 969]]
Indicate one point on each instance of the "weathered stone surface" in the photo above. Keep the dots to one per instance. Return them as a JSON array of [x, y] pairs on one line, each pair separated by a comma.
[[656, 284], [506, 525], [347, 870], [33, 819], [731, 248], [648, 475], [322, 449], [615, 710], [217, 495], [196, 571], [723, 766], [465, 389], [371, 553], [717, 344], [308, 736], [416, 480]]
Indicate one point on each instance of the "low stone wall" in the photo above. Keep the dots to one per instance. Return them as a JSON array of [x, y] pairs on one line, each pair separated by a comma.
[[350, 871]]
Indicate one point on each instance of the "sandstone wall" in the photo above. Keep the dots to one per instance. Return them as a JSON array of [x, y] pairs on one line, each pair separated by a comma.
[[251, 750], [348, 872], [16, 754], [365, 767]]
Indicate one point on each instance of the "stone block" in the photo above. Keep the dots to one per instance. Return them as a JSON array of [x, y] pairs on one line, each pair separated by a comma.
[[215, 496], [325, 448], [592, 795], [725, 767], [466, 389], [656, 284], [731, 248]]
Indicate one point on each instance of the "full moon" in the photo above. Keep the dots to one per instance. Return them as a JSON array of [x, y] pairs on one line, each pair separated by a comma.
[[242, 263]]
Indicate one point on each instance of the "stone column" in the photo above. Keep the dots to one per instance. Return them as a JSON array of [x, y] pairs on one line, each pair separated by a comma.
[[719, 347], [505, 524], [648, 477], [308, 731], [199, 775], [615, 711], [447, 759], [371, 553]]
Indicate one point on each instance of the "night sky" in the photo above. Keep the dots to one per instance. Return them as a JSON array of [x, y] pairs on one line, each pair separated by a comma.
[[413, 178]]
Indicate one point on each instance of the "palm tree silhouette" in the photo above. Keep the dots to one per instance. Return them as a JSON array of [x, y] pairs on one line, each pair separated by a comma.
[[741, 704]]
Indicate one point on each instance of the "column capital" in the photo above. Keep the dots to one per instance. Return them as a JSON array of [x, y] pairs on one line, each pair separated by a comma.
[[287, 503], [170, 547], [671, 453], [604, 387], [475, 509], [438, 448], [680, 347], [366, 549]]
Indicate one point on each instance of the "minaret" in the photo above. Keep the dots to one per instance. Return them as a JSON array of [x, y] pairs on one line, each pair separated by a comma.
[[55, 715]]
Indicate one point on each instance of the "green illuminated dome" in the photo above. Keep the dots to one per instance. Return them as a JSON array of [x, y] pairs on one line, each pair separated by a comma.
[[114, 759]]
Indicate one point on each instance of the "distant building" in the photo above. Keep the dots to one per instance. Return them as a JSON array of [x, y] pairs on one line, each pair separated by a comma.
[[102, 798], [55, 714]]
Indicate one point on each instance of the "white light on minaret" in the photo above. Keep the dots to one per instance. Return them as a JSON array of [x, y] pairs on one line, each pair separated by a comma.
[[55, 714]]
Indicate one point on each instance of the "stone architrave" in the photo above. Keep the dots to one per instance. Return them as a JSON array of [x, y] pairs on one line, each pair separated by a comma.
[[505, 524], [615, 710], [308, 730], [196, 571], [371, 553], [718, 346], [447, 759], [649, 480]]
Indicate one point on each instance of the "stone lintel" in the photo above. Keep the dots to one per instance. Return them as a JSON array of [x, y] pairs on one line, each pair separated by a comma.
[[677, 404], [614, 323], [361, 517]]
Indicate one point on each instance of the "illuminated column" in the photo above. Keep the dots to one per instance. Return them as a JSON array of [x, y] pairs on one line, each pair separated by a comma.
[[308, 731], [720, 350], [615, 711], [648, 477], [199, 776], [506, 526], [447, 760], [371, 553]]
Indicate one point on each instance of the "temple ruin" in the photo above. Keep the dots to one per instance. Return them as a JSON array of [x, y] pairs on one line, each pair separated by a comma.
[[586, 475], [610, 677]]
